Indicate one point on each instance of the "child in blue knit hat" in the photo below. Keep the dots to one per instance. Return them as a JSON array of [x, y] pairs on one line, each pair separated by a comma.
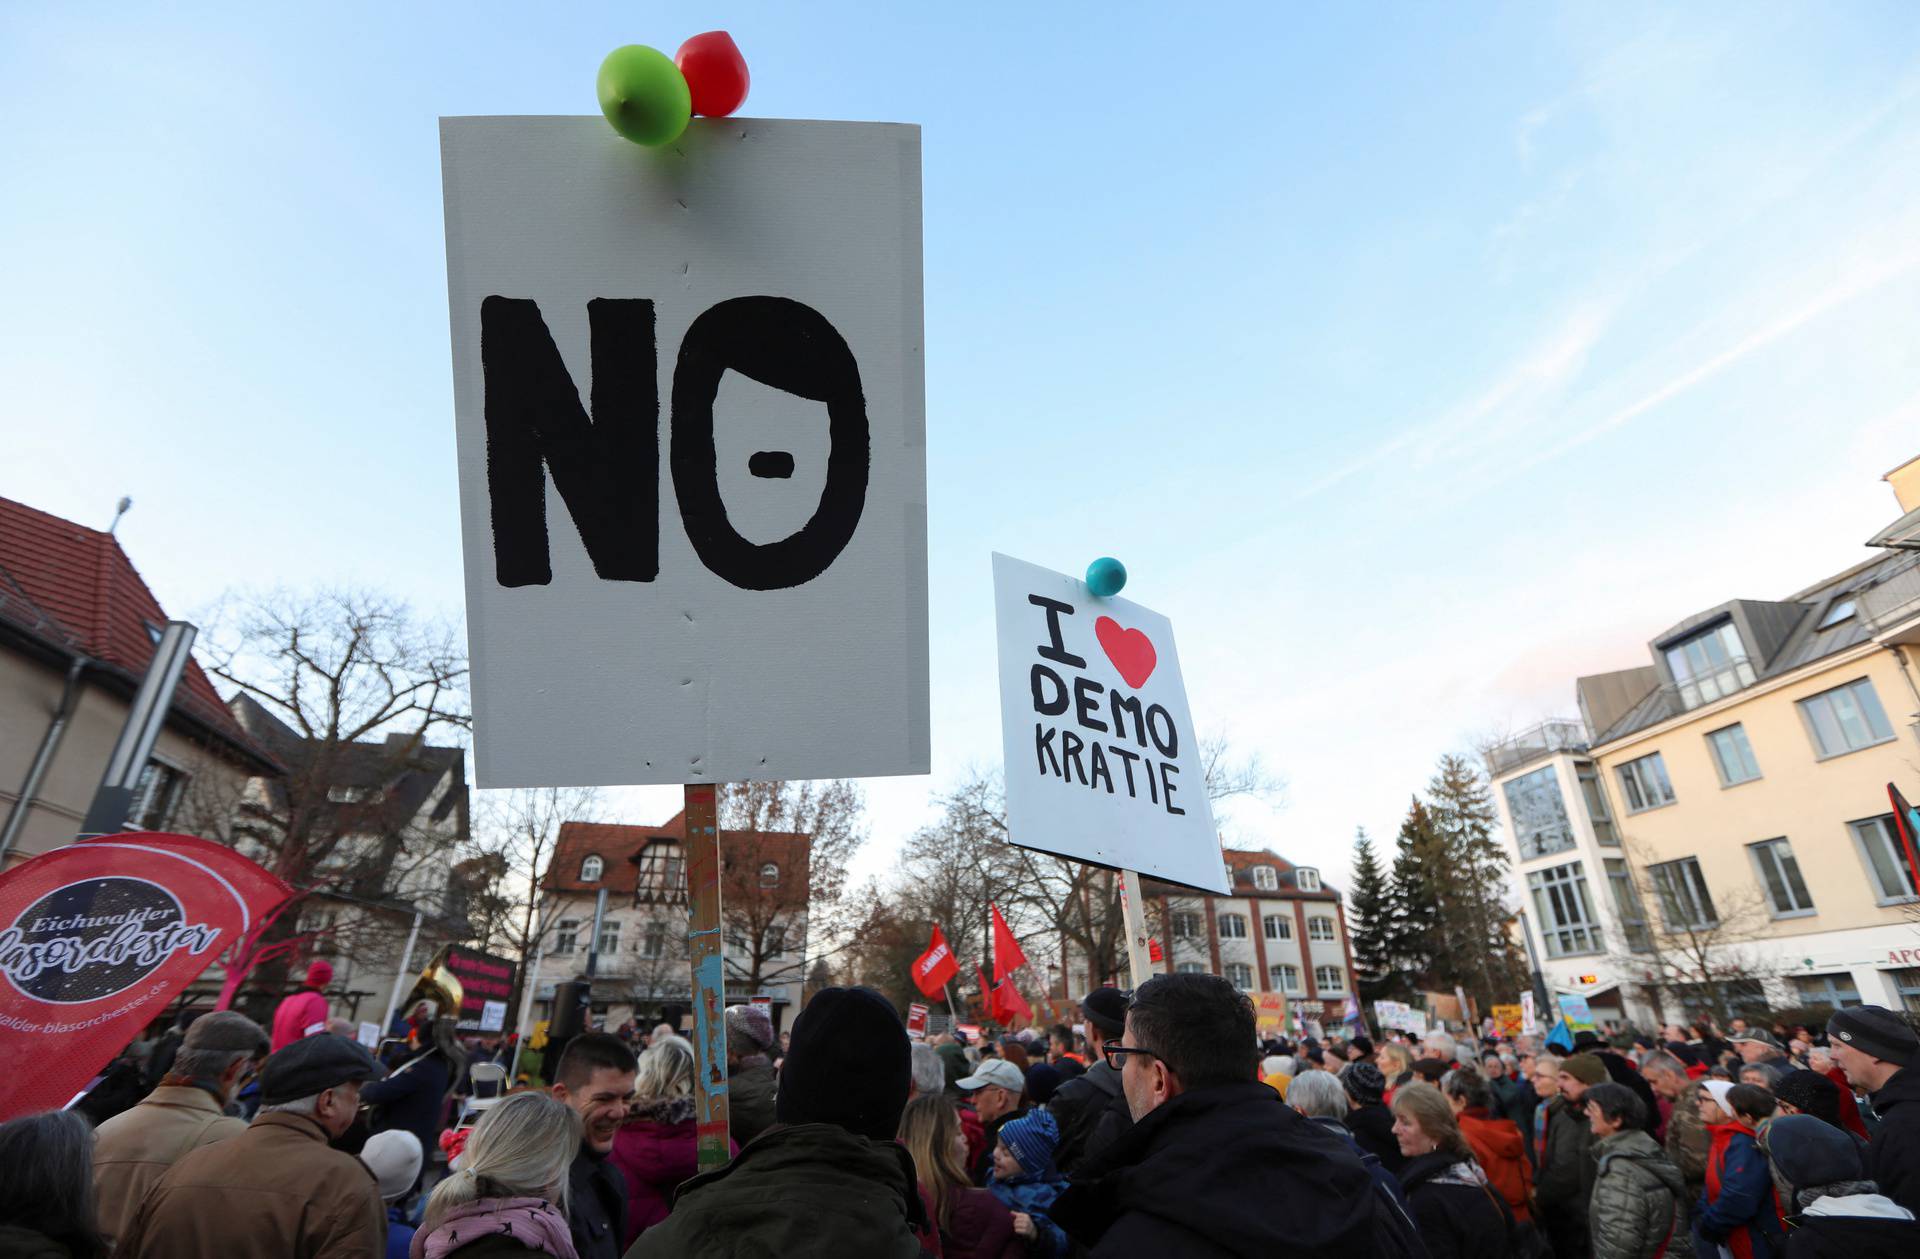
[[1026, 1181]]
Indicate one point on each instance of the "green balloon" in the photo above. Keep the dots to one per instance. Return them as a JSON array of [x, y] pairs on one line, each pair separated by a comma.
[[644, 95]]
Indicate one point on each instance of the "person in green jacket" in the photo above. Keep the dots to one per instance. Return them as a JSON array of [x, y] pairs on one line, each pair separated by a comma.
[[1564, 1182], [828, 1179], [1635, 1211]]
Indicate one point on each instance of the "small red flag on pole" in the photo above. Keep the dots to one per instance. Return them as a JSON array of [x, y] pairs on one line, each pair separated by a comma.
[[932, 969], [1007, 957], [1008, 1004]]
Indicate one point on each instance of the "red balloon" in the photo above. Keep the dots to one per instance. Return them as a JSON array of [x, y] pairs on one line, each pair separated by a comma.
[[716, 73]]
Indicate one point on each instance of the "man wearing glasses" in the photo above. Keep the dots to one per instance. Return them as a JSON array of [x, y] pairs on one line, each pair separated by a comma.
[[1215, 1163]]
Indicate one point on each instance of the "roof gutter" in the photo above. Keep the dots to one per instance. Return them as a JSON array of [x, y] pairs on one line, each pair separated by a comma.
[[49, 744]]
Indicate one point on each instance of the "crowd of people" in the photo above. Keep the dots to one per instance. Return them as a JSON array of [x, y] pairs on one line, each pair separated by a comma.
[[1160, 1125]]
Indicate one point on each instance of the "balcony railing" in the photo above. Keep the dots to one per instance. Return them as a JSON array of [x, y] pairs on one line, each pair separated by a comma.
[[1894, 599], [1558, 735]]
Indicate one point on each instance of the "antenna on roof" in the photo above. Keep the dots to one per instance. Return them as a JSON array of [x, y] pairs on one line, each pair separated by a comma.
[[118, 512]]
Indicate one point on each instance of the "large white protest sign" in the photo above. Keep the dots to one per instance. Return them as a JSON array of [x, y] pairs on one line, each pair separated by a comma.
[[688, 389], [1101, 760]]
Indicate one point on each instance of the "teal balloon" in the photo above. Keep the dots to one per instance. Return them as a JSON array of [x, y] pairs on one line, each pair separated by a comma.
[[1106, 576], [644, 95]]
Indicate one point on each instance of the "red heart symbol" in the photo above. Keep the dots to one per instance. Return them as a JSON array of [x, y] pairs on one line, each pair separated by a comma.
[[1130, 650]]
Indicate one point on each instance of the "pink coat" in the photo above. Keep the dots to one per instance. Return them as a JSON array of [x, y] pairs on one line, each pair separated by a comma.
[[656, 1158], [300, 1015]]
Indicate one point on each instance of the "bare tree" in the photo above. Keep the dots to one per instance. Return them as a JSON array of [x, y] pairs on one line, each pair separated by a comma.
[[518, 829], [776, 916], [348, 690], [1700, 944]]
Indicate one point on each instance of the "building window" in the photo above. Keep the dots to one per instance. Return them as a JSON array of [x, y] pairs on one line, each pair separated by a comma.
[[610, 936], [1567, 921], [1320, 928], [1329, 979], [1906, 985], [663, 873], [565, 933], [591, 868], [1597, 811], [1644, 782], [1266, 879], [653, 940], [1626, 903], [1880, 843], [1233, 927], [1733, 756], [350, 795], [775, 941], [1190, 968], [1836, 614], [155, 797], [1835, 992], [1710, 665], [1278, 927], [1539, 815], [1685, 902], [1780, 875], [770, 875], [1285, 978], [1845, 719], [1240, 975], [1186, 925], [1307, 879]]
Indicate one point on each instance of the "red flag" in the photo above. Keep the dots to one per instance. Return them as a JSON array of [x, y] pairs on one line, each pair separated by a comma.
[[1007, 957], [96, 939], [1153, 951], [988, 1010], [932, 969], [1008, 1004]]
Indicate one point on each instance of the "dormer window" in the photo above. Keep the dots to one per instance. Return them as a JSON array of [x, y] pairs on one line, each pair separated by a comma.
[[770, 875], [1266, 879], [591, 869], [1836, 614], [1307, 878], [1709, 665]]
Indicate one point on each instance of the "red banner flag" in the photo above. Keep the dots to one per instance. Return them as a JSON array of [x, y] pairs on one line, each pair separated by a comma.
[[1009, 1005], [1007, 957], [932, 969], [97, 937]]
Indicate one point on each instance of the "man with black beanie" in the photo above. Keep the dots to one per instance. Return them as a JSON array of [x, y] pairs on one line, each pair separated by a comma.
[[1877, 1049], [828, 1179], [1090, 1109]]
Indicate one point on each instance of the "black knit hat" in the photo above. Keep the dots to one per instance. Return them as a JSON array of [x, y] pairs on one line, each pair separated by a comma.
[[1810, 1093], [1875, 1031], [848, 1064], [1811, 1152], [1364, 1082], [1106, 1009]]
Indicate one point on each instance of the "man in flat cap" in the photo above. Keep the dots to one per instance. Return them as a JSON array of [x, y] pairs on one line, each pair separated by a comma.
[[1881, 1054], [278, 1188]]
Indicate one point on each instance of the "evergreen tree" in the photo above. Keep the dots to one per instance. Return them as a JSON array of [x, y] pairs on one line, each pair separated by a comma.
[[1414, 942], [1370, 920], [1474, 911]]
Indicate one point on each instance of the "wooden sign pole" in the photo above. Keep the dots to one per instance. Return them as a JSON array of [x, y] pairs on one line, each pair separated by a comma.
[[705, 947], [1139, 956]]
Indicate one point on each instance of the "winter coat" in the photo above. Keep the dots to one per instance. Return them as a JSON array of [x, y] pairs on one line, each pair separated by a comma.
[[1687, 1146], [1372, 1129], [1638, 1206], [1515, 1099], [276, 1189], [17, 1242], [134, 1149], [1456, 1210], [1091, 1111], [299, 1016], [1564, 1182], [1622, 1071], [1858, 1226], [1502, 1154], [953, 1061], [1388, 1182], [516, 1227], [979, 1226], [1034, 1195], [750, 1096], [1229, 1170], [596, 1205], [1737, 1209], [412, 1099], [799, 1191], [1893, 1158], [655, 1157], [399, 1234]]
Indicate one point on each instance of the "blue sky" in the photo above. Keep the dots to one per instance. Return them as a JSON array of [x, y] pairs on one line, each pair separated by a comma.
[[1414, 360]]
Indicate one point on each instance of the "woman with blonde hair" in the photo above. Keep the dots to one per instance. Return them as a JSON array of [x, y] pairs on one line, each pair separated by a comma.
[[1395, 1063], [509, 1197], [973, 1223], [657, 1149], [1457, 1211]]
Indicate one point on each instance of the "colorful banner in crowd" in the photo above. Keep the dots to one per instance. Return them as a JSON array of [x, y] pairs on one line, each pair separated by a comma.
[[1575, 1014], [1508, 1020], [486, 986], [96, 938], [1269, 1014]]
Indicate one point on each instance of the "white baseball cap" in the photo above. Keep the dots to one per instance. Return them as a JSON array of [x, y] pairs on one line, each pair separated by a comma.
[[994, 1071]]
